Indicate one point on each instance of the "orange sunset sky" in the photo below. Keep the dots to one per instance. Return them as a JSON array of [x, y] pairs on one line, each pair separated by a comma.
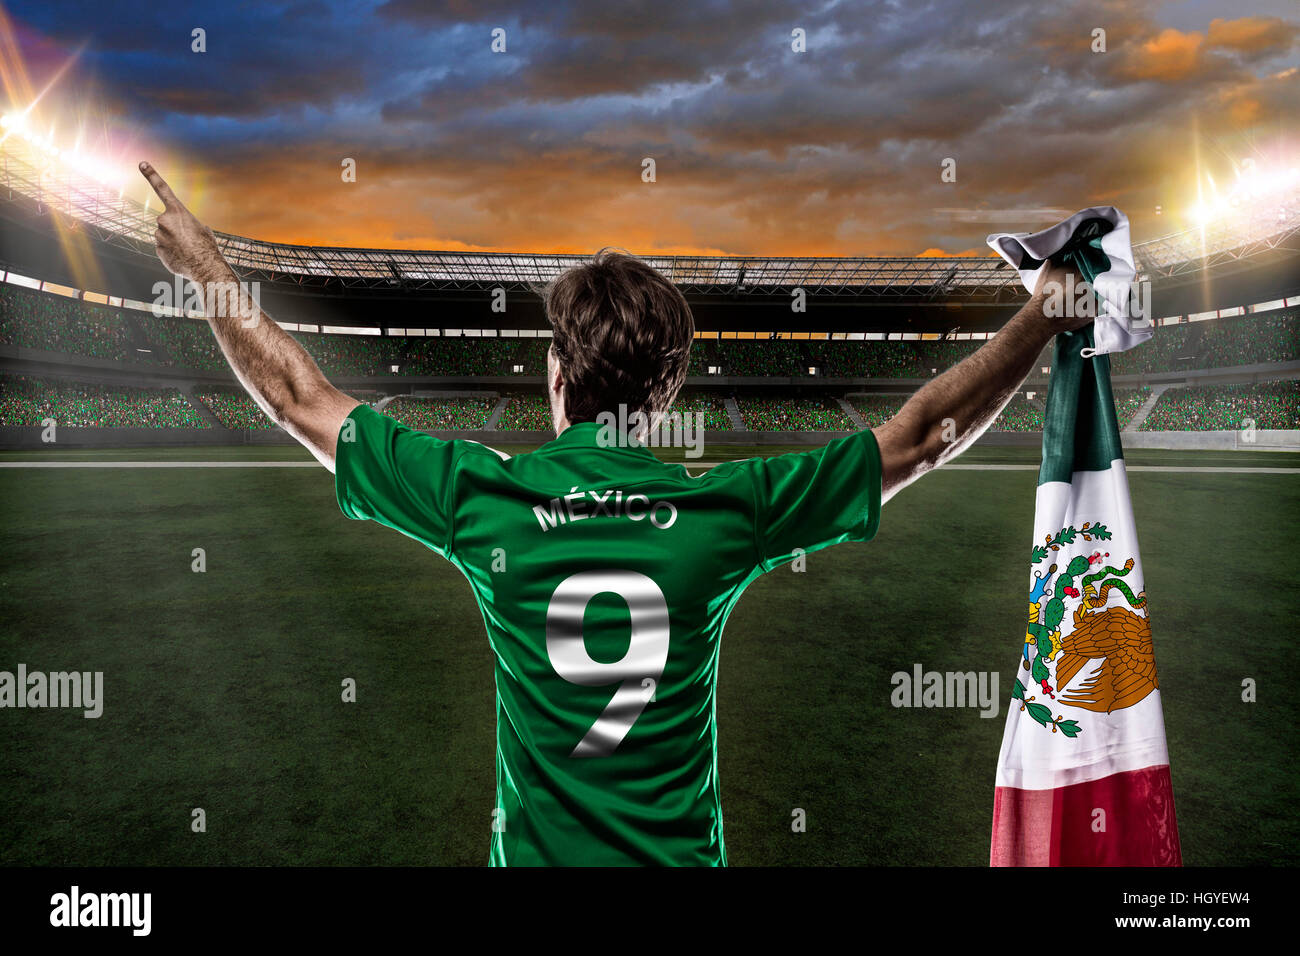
[[759, 149]]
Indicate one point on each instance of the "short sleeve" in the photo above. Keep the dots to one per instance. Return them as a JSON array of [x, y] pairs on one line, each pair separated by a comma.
[[811, 500], [397, 476]]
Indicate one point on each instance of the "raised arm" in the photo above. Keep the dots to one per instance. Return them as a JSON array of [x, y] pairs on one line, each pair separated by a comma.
[[277, 372], [940, 421]]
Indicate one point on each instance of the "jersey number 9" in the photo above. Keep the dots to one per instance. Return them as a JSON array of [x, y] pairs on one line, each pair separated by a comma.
[[639, 670]]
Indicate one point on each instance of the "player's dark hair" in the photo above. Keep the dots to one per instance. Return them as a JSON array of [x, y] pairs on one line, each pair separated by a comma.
[[622, 335]]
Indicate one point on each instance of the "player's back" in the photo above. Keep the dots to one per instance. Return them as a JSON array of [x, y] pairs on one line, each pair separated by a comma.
[[613, 576], [605, 578]]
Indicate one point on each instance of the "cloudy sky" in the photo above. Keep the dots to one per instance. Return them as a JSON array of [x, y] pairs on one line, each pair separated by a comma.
[[759, 149]]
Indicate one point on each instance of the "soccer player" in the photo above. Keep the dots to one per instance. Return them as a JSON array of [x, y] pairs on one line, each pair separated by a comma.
[[605, 576]]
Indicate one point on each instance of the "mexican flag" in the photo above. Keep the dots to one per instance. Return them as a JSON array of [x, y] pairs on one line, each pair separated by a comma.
[[1083, 775]]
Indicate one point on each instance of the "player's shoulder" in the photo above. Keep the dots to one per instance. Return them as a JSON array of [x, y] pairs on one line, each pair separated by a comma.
[[485, 450], [853, 448], [369, 417], [725, 470]]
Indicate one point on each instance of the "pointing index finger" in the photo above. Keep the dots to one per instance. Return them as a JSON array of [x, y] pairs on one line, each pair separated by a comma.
[[159, 186]]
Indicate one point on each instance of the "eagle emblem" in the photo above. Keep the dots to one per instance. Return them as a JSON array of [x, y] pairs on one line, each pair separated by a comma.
[[1106, 662]]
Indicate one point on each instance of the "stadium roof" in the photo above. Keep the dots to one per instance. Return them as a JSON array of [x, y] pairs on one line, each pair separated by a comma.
[[41, 177]]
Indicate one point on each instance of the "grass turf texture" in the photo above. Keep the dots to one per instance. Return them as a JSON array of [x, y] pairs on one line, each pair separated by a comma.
[[223, 689]]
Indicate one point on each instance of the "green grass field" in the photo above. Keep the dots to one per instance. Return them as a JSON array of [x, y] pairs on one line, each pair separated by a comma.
[[223, 689]]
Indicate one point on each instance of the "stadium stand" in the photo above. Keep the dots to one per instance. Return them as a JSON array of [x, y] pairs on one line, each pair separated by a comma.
[[460, 355], [1127, 403], [877, 409], [790, 414], [1250, 340], [532, 356], [181, 343], [761, 357], [50, 322], [526, 413], [700, 359], [42, 320], [943, 355], [1020, 415], [712, 406], [1168, 350], [852, 359], [188, 343], [441, 414], [1262, 337], [346, 354], [233, 407], [1227, 407], [27, 400]]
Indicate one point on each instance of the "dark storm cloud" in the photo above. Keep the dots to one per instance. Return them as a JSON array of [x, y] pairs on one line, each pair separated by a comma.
[[759, 149], [260, 59]]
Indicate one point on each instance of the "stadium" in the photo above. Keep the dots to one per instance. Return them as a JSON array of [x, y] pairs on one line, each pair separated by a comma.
[[132, 382], [122, 365], [160, 528]]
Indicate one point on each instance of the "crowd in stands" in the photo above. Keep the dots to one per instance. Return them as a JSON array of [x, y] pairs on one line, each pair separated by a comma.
[[181, 343], [793, 414], [1127, 403], [54, 323], [1020, 415], [441, 414], [712, 406], [1226, 407], [1215, 343], [1267, 338], [877, 409], [44, 320], [532, 356], [943, 355], [855, 359], [759, 357], [233, 407], [190, 344], [50, 322], [347, 354], [526, 413], [699, 359], [458, 355], [1167, 350], [354, 355], [1251, 340], [27, 400]]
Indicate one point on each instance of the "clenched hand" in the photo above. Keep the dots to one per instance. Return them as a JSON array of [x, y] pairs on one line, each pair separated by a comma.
[[1061, 283]]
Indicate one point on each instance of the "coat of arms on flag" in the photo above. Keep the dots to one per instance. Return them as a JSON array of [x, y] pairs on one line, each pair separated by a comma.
[[1115, 639], [1083, 774]]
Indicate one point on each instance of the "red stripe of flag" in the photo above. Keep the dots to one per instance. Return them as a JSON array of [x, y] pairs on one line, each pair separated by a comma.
[[1140, 827]]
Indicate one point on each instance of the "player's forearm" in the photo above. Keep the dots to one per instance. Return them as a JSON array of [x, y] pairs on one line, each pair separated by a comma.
[[953, 410], [277, 372], [274, 368]]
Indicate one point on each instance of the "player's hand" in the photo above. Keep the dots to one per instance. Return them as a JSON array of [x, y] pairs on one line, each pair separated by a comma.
[[1058, 291], [185, 246]]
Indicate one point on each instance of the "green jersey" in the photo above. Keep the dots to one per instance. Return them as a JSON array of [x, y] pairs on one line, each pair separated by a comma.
[[605, 578]]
